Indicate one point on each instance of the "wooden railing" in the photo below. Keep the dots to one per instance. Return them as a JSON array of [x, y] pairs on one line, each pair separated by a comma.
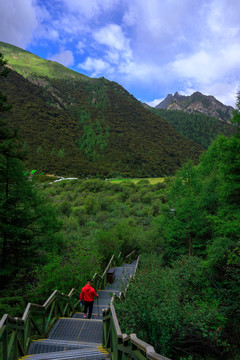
[[101, 281], [37, 320], [123, 346], [130, 257]]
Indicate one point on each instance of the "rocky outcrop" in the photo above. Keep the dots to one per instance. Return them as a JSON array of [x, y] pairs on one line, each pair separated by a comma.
[[197, 103]]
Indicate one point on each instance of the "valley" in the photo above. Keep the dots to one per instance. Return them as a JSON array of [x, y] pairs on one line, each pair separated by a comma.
[[134, 184]]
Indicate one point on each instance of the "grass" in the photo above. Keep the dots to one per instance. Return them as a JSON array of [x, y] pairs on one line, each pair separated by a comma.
[[27, 63], [136, 180]]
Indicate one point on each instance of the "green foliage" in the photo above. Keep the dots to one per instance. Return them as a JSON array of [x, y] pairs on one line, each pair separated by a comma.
[[98, 93], [174, 308], [185, 299], [67, 271], [200, 128], [28, 224], [84, 117], [39, 150], [113, 216], [4, 71], [28, 64], [12, 305], [236, 114], [61, 153], [183, 221], [94, 139], [60, 109]]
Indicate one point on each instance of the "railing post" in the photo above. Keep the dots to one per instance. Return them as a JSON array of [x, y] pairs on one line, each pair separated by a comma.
[[5, 345]]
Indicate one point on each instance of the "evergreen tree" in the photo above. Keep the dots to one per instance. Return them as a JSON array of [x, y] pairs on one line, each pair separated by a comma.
[[23, 216], [4, 71]]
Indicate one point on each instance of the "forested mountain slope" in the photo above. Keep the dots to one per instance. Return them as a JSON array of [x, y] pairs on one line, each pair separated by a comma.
[[201, 128], [72, 124]]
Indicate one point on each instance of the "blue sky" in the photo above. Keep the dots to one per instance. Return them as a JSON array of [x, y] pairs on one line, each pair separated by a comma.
[[151, 47]]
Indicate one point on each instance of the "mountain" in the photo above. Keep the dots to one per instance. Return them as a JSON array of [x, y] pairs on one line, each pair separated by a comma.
[[198, 127], [197, 103], [75, 125]]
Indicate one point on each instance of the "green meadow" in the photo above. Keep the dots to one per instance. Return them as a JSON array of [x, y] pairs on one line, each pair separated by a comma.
[[136, 180]]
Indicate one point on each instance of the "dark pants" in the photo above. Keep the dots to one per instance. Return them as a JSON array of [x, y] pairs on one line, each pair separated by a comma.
[[88, 304]]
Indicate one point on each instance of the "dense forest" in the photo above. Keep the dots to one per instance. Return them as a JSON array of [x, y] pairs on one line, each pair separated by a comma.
[[80, 126], [200, 128], [185, 297]]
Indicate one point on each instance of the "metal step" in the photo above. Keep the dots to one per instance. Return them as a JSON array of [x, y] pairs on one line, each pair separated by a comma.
[[104, 297], [78, 338], [99, 308], [94, 316], [85, 330], [53, 345], [70, 354]]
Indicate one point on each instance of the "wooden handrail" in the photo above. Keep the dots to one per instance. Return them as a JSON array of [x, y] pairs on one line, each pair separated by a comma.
[[29, 327], [130, 254], [125, 346], [102, 279], [29, 306], [72, 291], [108, 266], [136, 267], [148, 349], [132, 339], [115, 320], [50, 298]]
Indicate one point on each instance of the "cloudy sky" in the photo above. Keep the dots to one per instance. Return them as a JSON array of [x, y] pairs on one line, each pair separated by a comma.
[[151, 47]]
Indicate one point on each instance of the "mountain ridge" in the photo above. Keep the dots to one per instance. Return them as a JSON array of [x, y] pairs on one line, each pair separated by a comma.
[[87, 127], [198, 103]]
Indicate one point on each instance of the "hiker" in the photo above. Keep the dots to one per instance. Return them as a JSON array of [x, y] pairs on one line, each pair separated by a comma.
[[88, 294]]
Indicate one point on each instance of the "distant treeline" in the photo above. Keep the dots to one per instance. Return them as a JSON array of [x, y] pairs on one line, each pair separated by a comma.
[[200, 128]]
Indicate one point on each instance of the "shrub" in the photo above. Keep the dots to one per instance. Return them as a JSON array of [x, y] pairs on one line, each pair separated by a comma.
[[65, 207], [70, 271], [13, 306], [175, 309]]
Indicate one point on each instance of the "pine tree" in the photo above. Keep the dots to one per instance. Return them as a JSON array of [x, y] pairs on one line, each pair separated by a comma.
[[24, 218]]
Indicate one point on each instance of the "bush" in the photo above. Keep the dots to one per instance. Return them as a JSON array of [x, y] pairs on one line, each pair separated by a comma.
[[70, 271], [13, 306], [91, 205], [174, 309], [65, 207]]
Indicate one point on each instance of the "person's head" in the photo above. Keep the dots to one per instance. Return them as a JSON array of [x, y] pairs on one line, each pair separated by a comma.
[[89, 282]]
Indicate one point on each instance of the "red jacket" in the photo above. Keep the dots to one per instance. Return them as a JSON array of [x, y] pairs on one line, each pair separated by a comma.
[[88, 293]]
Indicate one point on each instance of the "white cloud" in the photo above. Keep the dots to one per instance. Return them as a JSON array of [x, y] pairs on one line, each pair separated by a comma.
[[64, 57], [18, 21], [90, 8], [130, 16], [113, 56], [95, 66], [80, 47], [53, 34], [200, 66], [167, 45], [154, 102], [112, 36], [223, 91]]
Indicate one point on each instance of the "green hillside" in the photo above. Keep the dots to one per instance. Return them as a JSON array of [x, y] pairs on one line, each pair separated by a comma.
[[200, 128], [71, 126], [28, 64]]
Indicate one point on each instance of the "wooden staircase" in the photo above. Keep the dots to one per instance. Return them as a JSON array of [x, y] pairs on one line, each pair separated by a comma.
[[77, 337]]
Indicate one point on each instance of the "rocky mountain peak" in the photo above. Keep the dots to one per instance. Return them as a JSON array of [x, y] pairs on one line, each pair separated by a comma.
[[198, 103]]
